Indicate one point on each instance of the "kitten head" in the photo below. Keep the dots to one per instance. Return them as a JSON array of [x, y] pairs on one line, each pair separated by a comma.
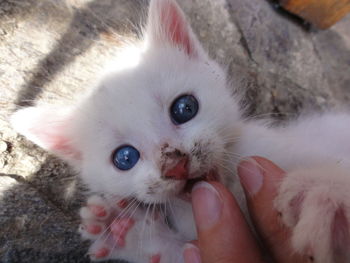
[[148, 131]]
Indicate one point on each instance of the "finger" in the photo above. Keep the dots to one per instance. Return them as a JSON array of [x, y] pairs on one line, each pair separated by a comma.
[[191, 253], [260, 179], [223, 234]]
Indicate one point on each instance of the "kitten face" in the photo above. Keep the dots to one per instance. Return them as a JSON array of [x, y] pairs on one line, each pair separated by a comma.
[[132, 108]]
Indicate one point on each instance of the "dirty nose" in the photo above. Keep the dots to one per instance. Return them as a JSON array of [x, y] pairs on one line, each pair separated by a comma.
[[179, 171]]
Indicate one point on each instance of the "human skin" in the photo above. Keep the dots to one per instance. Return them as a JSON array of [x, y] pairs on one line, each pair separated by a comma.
[[223, 233]]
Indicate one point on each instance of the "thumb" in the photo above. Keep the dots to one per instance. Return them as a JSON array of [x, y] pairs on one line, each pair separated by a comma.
[[223, 234], [260, 179]]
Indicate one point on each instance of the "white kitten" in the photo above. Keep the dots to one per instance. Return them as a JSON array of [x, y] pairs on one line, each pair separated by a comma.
[[146, 134]]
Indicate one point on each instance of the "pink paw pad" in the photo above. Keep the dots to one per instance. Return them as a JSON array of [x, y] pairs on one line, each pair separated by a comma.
[[101, 253], [93, 229], [98, 211], [155, 258], [120, 228], [122, 203]]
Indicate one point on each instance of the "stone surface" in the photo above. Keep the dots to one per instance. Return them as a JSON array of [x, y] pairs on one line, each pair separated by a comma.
[[36, 228], [52, 50], [299, 68]]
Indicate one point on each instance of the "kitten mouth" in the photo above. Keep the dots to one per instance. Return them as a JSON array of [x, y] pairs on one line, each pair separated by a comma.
[[211, 176]]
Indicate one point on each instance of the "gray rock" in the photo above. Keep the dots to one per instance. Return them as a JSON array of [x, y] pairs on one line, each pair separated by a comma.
[[51, 51], [35, 228], [299, 68]]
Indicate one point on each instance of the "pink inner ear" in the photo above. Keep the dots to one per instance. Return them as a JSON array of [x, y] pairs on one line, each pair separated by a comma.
[[52, 140], [176, 28], [62, 145]]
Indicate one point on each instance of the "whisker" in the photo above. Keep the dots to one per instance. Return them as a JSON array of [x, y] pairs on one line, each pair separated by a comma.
[[152, 227], [131, 215], [173, 216], [143, 227], [106, 236], [270, 114]]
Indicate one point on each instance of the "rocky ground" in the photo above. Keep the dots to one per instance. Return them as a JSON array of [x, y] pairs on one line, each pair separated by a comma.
[[51, 50]]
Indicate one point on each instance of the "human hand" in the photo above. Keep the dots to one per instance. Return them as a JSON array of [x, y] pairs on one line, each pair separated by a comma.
[[223, 234]]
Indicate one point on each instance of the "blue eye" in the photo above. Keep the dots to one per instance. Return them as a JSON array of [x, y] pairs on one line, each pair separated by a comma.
[[184, 109], [125, 157]]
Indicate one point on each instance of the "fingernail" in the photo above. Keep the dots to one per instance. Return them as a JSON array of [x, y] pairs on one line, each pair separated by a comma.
[[250, 175], [207, 205], [191, 254]]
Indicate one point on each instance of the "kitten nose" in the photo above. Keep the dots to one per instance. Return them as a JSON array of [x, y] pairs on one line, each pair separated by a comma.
[[179, 171]]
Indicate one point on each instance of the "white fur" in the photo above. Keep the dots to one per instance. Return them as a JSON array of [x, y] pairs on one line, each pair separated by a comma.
[[132, 107]]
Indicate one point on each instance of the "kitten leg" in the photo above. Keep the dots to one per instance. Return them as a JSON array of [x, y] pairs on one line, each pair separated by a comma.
[[315, 204], [120, 229]]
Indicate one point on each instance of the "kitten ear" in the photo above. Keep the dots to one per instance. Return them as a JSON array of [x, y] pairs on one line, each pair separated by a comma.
[[167, 25], [48, 128]]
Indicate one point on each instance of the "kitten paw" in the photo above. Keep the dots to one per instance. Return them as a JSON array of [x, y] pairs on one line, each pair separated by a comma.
[[315, 204], [107, 224], [123, 229], [93, 217]]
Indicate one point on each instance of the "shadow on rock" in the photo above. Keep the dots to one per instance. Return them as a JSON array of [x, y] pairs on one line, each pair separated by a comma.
[[88, 23]]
